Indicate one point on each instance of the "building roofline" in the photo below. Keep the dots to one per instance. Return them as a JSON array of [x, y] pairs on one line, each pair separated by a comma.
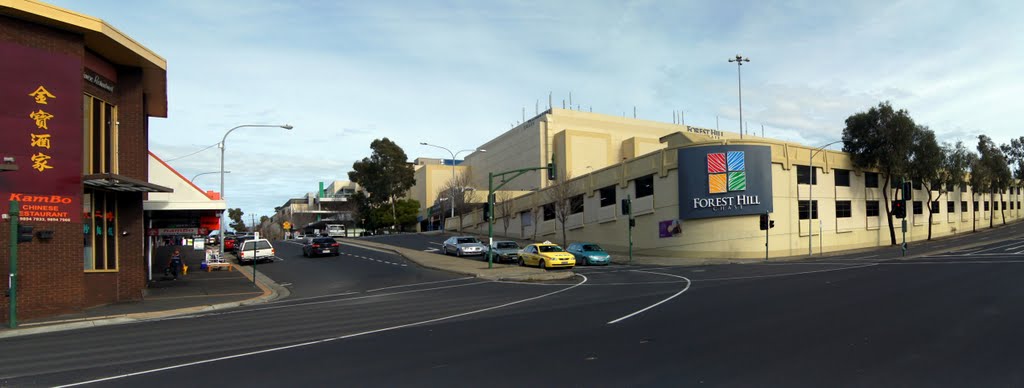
[[201, 191]]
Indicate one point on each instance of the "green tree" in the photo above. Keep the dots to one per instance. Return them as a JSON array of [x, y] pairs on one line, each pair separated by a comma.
[[1015, 155], [979, 181], [406, 210], [386, 175], [998, 170], [881, 139], [237, 223], [926, 167]]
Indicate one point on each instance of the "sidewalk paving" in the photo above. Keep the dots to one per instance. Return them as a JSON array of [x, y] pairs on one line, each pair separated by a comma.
[[195, 292]]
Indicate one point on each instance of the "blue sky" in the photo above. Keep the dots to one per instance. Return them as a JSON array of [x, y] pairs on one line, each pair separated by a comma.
[[458, 73]]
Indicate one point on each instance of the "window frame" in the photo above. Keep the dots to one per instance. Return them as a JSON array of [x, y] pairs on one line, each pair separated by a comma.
[[877, 208], [548, 209], [110, 252], [802, 209], [871, 180], [918, 207], [842, 177], [576, 204], [805, 175], [645, 182], [950, 207], [844, 209], [601, 194]]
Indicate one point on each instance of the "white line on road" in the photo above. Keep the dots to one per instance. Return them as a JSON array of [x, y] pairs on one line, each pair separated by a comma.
[[436, 243], [372, 249], [420, 284], [688, 283], [304, 344], [785, 274]]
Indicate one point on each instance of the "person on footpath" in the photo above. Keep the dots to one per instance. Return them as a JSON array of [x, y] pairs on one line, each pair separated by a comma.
[[175, 264]]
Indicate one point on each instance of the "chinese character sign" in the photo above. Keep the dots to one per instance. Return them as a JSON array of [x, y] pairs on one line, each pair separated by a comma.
[[41, 122]]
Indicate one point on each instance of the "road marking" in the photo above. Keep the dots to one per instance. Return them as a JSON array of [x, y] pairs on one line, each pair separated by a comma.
[[431, 250], [435, 243], [864, 257], [420, 284], [688, 283], [320, 341], [372, 249], [785, 274]]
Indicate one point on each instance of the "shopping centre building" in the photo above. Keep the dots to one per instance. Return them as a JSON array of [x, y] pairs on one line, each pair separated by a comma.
[[76, 96], [697, 192]]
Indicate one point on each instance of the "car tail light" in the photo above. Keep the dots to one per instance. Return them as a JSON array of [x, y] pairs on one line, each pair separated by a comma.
[[335, 244], [316, 245], [242, 254], [272, 251]]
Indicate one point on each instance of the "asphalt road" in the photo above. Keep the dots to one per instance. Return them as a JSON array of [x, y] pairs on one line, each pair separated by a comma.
[[951, 319]]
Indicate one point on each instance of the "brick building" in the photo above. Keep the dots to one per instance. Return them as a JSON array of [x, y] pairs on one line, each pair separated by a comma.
[[76, 95]]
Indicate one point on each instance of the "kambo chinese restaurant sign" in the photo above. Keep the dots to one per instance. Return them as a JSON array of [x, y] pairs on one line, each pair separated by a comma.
[[41, 123]]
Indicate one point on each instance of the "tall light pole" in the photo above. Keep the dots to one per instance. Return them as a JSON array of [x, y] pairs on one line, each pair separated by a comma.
[[739, 81], [454, 155], [810, 197], [206, 173], [220, 249]]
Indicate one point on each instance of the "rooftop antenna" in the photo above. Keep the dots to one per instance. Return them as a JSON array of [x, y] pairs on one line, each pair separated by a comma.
[[549, 101], [536, 107], [716, 123], [563, 103], [673, 117], [634, 111], [682, 117], [591, 109], [570, 100], [762, 130], [524, 113], [578, 107]]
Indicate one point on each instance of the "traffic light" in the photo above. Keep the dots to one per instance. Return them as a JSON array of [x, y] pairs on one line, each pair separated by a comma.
[[771, 224], [764, 222], [487, 212], [908, 192], [632, 222], [625, 206], [899, 209], [24, 233], [551, 172]]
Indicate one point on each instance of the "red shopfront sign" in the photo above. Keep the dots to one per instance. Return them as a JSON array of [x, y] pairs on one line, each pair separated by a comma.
[[41, 123]]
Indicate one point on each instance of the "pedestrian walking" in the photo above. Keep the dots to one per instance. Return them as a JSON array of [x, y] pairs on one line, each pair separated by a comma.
[[175, 264]]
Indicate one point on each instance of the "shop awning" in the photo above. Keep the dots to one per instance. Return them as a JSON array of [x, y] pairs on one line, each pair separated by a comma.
[[115, 182]]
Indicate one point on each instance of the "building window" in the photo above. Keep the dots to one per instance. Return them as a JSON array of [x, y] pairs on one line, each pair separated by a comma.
[[963, 206], [918, 207], [607, 195], [934, 207], [1004, 205], [949, 187], [843, 209], [99, 231], [986, 205], [99, 135], [549, 211], [842, 177], [872, 208], [963, 187], [644, 186], [950, 207], [995, 206], [975, 206], [916, 185], [804, 175], [1011, 205], [1018, 204], [871, 179], [576, 204], [803, 209]]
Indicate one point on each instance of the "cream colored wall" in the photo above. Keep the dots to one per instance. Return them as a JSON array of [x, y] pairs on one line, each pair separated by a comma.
[[520, 147], [429, 180], [739, 237]]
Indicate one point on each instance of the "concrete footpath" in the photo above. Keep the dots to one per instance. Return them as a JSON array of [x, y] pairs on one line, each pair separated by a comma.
[[195, 292], [469, 266]]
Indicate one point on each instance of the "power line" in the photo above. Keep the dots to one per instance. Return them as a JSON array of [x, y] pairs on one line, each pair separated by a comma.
[[182, 157]]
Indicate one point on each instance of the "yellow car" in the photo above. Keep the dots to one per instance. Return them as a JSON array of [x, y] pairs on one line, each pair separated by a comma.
[[546, 255]]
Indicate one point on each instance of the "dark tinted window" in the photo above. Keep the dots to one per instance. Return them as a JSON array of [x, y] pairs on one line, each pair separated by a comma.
[[950, 207], [507, 245], [842, 177], [870, 179], [592, 248], [975, 206], [872, 208], [934, 207], [549, 211], [843, 209], [949, 187], [986, 206], [466, 241], [607, 195], [644, 186], [261, 244], [804, 175], [916, 185], [576, 204], [803, 209], [918, 207], [321, 240], [963, 206], [550, 248]]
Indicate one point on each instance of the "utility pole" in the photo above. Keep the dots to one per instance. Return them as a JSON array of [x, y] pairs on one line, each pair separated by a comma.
[[739, 80], [12, 279]]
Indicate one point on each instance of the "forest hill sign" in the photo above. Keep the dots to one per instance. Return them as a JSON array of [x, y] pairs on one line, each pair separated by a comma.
[[717, 181]]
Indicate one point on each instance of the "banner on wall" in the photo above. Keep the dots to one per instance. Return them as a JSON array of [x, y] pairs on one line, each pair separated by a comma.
[[41, 122]]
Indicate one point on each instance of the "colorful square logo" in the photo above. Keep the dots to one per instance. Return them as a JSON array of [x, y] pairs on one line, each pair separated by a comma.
[[727, 172]]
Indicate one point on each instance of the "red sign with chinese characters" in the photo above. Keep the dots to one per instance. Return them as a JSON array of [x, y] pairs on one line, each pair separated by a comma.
[[41, 123]]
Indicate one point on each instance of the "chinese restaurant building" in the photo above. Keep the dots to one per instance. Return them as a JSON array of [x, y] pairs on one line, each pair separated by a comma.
[[76, 95]]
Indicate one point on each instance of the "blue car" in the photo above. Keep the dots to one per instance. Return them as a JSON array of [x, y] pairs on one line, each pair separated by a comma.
[[589, 254]]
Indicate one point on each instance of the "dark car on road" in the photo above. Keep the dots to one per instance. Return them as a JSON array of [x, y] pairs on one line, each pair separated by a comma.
[[238, 242], [319, 246]]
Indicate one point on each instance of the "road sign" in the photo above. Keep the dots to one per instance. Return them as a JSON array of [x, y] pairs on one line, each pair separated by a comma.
[[287, 225]]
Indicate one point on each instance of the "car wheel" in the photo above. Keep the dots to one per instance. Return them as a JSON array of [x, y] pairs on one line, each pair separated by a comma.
[[444, 250], [521, 263], [458, 253], [337, 253], [540, 264]]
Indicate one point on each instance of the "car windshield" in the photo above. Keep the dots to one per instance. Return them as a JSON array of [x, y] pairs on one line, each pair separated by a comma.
[[323, 240], [592, 248], [550, 248], [261, 244], [466, 241], [507, 245]]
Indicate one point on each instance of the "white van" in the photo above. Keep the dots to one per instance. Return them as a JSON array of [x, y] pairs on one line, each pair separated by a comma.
[[255, 250]]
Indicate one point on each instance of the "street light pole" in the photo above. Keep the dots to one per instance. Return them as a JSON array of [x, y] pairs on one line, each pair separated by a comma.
[[220, 249], [454, 155], [739, 81], [206, 173], [810, 196]]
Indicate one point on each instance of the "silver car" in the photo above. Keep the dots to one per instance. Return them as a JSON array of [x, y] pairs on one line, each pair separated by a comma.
[[463, 246], [505, 251]]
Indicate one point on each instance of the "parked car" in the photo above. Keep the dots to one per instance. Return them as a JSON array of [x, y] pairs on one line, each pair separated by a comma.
[[321, 246], [255, 250], [240, 239], [229, 243], [546, 255], [589, 254], [463, 246], [212, 239], [505, 251]]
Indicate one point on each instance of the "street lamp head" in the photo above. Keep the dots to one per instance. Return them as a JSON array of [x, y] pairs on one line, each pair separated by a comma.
[[481, 150], [423, 143], [287, 126]]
